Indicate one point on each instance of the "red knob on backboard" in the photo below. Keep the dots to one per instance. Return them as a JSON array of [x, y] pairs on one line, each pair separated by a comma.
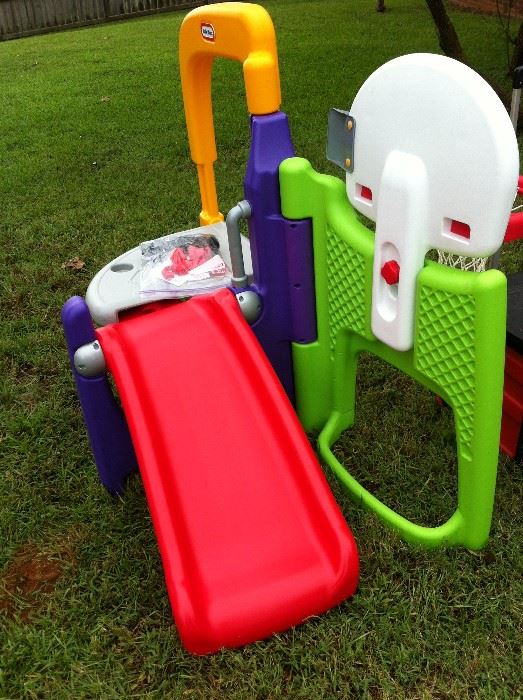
[[391, 272]]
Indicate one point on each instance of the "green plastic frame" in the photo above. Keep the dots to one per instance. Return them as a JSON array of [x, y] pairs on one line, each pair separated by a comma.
[[458, 352]]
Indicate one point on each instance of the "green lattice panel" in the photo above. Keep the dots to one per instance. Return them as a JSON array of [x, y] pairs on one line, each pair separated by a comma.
[[445, 352], [458, 353], [346, 288]]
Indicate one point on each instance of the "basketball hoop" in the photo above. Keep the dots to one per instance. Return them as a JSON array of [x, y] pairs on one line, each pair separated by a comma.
[[461, 262]]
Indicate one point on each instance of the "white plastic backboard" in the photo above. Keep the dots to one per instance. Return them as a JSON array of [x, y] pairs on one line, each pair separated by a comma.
[[435, 166]]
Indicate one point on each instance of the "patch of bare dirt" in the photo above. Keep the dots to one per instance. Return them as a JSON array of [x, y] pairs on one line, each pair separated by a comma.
[[31, 575], [492, 7]]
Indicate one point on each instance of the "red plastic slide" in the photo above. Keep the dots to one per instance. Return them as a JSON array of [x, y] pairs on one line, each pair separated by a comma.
[[251, 538]]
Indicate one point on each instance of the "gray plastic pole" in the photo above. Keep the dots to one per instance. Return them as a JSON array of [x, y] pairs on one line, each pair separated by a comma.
[[514, 107], [517, 84], [241, 211]]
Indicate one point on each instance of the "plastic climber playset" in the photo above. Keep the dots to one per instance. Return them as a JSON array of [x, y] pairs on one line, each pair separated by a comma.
[[270, 328]]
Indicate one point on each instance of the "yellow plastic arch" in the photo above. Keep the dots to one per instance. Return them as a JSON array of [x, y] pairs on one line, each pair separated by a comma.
[[235, 30]]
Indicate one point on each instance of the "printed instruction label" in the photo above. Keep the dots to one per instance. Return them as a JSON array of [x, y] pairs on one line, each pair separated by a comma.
[[207, 31]]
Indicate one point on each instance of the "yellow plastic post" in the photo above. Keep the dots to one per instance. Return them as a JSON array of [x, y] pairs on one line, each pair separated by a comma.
[[239, 31]]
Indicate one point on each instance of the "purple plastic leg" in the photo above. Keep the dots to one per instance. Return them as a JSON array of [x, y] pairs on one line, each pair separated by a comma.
[[281, 250], [106, 426]]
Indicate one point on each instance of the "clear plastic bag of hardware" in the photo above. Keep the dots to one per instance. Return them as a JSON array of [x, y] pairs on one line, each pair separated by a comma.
[[182, 264]]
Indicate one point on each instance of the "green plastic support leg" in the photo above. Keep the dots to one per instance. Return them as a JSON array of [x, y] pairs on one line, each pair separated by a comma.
[[458, 352]]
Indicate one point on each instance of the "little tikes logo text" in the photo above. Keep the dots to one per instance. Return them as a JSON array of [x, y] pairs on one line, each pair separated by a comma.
[[207, 31]]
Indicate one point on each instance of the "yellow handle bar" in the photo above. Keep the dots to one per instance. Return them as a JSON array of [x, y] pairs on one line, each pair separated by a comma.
[[243, 32]]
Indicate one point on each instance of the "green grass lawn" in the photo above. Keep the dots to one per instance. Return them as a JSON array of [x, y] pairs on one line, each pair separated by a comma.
[[94, 159]]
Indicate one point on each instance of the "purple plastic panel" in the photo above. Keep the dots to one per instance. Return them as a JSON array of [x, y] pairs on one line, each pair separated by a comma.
[[298, 239], [106, 425], [282, 256]]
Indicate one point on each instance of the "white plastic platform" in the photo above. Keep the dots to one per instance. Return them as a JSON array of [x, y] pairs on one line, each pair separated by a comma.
[[117, 286]]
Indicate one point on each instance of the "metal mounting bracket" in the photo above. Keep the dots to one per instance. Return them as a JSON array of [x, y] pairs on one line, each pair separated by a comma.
[[340, 139]]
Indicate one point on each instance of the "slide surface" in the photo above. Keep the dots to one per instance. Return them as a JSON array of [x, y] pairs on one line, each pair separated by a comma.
[[251, 538]]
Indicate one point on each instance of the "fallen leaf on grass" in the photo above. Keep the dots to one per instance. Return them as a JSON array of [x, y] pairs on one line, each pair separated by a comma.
[[73, 264]]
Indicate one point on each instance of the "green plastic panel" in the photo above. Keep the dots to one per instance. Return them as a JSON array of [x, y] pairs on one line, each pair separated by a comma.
[[458, 353]]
